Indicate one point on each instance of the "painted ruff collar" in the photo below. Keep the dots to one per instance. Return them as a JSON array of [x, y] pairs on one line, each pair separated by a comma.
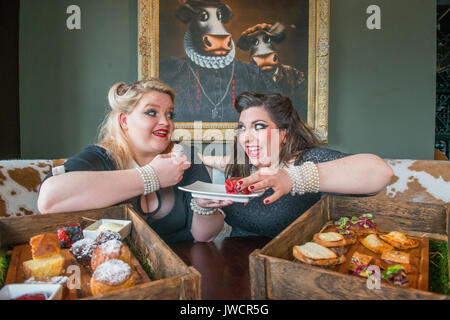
[[210, 62]]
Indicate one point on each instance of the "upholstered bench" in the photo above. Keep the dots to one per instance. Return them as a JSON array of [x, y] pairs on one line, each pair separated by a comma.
[[19, 185], [413, 180]]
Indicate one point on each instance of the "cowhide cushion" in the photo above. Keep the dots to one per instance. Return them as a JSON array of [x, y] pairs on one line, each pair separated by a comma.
[[418, 181], [19, 185]]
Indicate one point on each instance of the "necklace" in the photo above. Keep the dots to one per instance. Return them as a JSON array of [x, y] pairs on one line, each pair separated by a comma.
[[215, 111]]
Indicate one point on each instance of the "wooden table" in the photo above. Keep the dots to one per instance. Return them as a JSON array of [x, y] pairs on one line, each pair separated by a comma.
[[223, 265]]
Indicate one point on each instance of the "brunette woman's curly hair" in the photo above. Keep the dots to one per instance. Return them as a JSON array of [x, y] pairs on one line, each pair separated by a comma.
[[299, 137]]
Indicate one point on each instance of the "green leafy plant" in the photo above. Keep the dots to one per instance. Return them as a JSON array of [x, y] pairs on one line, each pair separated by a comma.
[[4, 263], [438, 270]]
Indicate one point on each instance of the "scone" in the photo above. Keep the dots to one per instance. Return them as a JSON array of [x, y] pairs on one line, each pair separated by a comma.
[[399, 240], [373, 243], [112, 249], [110, 276]]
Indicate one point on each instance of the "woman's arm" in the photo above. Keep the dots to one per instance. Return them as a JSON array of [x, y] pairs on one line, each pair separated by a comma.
[[85, 190], [205, 228], [355, 174]]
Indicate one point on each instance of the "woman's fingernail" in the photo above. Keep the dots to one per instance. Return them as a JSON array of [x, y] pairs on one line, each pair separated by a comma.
[[251, 187], [239, 188], [241, 182], [266, 201]]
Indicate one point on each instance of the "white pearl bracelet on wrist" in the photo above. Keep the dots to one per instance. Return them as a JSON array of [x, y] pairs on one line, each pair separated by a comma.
[[151, 182], [305, 178], [202, 211]]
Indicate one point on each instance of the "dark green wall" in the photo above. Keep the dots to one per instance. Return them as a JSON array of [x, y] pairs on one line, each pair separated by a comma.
[[382, 82], [65, 75]]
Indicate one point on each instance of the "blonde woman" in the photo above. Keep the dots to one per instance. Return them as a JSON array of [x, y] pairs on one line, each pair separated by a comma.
[[132, 162]]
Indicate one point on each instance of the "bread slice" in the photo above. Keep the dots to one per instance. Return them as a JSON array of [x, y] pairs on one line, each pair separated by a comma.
[[44, 267], [373, 243], [399, 240], [329, 239], [315, 254]]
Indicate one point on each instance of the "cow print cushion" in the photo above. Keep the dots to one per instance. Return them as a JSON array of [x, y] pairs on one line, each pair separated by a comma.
[[19, 185]]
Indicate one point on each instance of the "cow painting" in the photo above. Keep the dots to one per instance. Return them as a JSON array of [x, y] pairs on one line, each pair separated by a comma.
[[261, 41], [208, 78]]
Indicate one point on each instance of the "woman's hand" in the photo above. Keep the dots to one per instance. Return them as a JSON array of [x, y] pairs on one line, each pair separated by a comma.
[[264, 178], [217, 162], [169, 169], [209, 203]]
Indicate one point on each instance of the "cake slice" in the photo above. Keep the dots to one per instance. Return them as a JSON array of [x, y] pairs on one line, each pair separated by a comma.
[[50, 266], [44, 245]]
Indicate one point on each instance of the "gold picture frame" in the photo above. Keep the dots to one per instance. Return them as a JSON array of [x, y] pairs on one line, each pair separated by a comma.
[[318, 72]]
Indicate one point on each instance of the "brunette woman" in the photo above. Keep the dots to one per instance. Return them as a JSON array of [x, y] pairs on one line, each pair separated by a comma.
[[283, 160]]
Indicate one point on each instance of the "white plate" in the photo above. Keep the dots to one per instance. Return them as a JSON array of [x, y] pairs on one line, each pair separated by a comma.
[[92, 232], [12, 291], [205, 190]]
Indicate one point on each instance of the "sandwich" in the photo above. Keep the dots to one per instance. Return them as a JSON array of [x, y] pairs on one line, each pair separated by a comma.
[[332, 240], [315, 254]]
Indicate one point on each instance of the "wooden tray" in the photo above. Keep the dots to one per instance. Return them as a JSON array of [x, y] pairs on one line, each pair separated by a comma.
[[22, 253], [419, 259], [172, 278], [275, 275]]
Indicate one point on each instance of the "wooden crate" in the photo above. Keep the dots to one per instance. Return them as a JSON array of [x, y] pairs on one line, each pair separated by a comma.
[[172, 278], [274, 274]]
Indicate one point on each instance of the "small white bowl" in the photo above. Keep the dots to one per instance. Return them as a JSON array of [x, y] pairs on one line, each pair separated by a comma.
[[13, 291], [92, 230]]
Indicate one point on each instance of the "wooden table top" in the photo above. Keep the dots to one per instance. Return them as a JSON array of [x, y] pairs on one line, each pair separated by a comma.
[[223, 265]]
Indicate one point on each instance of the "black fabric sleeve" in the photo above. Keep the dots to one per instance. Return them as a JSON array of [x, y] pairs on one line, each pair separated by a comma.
[[92, 158], [318, 155]]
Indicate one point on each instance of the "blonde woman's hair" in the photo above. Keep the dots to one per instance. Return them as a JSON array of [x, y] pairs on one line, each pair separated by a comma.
[[123, 99]]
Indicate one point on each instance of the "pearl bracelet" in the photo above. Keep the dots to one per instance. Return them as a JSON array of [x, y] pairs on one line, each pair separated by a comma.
[[202, 211], [151, 182], [305, 178]]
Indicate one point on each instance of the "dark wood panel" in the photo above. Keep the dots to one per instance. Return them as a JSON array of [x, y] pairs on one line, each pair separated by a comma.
[[9, 80]]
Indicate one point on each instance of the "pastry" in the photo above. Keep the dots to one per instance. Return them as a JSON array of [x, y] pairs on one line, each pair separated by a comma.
[[395, 256], [69, 234], [50, 266], [82, 250], [332, 240], [44, 245], [315, 254], [399, 240], [107, 235], [110, 276], [373, 243], [359, 260], [112, 249]]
